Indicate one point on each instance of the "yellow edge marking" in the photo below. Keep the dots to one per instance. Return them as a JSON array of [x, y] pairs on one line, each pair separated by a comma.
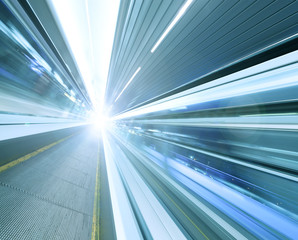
[[182, 211], [95, 222], [30, 155]]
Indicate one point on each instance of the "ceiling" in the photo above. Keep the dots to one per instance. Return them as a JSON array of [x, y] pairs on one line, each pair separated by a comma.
[[210, 36], [213, 38]]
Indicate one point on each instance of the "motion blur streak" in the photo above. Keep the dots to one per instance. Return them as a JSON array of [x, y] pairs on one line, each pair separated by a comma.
[[190, 133]]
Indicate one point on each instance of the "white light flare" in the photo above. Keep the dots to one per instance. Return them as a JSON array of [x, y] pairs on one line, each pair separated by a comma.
[[133, 76], [99, 121], [77, 38], [172, 24], [95, 22]]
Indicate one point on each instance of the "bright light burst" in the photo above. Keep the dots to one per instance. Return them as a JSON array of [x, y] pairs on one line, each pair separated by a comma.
[[99, 121]]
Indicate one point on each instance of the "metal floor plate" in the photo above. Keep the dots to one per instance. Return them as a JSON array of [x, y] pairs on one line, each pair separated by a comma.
[[51, 195]]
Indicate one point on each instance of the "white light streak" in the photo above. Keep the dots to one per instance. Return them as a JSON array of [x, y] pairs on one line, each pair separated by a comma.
[[133, 76], [89, 31], [172, 24], [90, 41], [72, 98]]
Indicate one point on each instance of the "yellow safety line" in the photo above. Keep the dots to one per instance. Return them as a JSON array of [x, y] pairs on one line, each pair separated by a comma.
[[182, 211], [95, 222], [30, 155]]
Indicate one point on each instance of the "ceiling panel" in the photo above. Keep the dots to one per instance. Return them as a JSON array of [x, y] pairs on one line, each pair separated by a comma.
[[210, 36]]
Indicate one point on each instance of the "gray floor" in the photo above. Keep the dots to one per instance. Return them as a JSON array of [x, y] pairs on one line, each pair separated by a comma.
[[51, 195]]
